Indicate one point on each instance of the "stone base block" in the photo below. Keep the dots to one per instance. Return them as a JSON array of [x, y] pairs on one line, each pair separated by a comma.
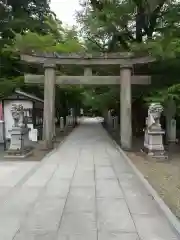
[[160, 154], [11, 154]]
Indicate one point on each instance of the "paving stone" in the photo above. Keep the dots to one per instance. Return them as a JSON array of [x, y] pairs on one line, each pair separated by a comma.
[[46, 215], [58, 188], [142, 205], [11, 178], [131, 185], [4, 191], [108, 188], [81, 199], [9, 225], [64, 172], [36, 235], [118, 236], [90, 236], [78, 223], [121, 167], [101, 161], [42, 176], [6, 170], [83, 179], [112, 151], [154, 228], [56, 199], [85, 161], [20, 201], [105, 173], [81, 167], [113, 215]]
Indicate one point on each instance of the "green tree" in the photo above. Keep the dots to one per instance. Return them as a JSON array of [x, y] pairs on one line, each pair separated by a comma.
[[140, 26]]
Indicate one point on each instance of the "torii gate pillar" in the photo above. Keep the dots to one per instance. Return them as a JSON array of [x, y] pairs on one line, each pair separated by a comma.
[[125, 107], [49, 104]]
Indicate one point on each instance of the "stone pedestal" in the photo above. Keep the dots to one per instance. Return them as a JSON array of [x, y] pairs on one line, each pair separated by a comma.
[[153, 143], [20, 146]]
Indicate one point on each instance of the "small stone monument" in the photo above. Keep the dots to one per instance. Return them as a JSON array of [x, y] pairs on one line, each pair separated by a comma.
[[61, 124], [172, 134], [115, 122], [169, 112], [153, 139], [67, 121], [20, 146], [109, 119], [81, 112]]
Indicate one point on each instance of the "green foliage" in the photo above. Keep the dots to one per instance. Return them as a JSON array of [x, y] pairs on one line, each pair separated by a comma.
[[40, 31], [147, 26], [152, 26], [8, 85], [172, 92], [160, 48], [16, 18], [32, 41], [101, 98]]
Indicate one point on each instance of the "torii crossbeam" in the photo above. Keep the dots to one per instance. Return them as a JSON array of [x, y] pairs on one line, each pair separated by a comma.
[[88, 80]]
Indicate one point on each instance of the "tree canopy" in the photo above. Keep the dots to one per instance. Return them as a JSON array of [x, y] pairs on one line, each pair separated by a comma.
[[31, 25], [147, 26]]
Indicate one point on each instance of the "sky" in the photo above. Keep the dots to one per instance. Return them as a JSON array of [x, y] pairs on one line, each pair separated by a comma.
[[65, 10]]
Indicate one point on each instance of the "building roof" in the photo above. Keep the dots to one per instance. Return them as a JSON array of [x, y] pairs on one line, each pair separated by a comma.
[[28, 95]]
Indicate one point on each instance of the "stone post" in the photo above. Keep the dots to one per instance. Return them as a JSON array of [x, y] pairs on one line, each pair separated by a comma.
[[169, 112], [115, 122], [109, 119], [49, 104], [105, 115], [61, 124], [67, 121], [125, 108]]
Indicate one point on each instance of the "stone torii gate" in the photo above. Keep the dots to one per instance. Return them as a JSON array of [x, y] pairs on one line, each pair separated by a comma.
[[125, 61]]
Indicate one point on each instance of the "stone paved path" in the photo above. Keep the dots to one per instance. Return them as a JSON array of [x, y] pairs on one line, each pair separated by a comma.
[[83, 191]]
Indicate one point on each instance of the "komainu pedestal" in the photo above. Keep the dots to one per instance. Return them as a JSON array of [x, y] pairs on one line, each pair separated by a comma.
[[20, 146], [153, 139]]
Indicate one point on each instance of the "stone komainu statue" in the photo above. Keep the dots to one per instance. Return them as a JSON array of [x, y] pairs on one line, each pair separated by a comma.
[[153, 138], [17, 112], [154, 114]]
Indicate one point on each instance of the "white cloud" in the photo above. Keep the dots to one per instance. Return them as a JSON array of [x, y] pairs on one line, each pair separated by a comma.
[[65, 10]]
